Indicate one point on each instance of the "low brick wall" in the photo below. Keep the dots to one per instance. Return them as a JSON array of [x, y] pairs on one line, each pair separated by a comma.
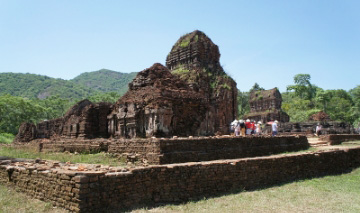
[[180, 150], [338, 139], [61, 189], [94, 191]]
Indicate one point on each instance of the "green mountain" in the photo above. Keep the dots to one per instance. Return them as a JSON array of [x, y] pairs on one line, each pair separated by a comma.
[[105, 80], [84, 85], [38, 86]]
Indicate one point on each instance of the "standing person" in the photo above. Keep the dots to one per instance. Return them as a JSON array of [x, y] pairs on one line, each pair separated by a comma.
[[237, 129], [242, 128], [248, 127], [318, 129], [253, 127], [258, 128], [274, 128], [232, 126]]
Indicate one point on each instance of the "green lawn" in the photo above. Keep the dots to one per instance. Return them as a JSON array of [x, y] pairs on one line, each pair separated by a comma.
[[15, 202]]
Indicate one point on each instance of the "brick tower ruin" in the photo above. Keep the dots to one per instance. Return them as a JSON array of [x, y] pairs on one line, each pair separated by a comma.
[[196, 59], [265, 105]]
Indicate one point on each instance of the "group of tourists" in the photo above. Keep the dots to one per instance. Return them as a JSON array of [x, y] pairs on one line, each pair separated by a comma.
[[251, 127]]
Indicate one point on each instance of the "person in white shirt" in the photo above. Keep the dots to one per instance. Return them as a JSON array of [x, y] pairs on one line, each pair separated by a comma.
[[258, 128], [274, 128], [318, 129]]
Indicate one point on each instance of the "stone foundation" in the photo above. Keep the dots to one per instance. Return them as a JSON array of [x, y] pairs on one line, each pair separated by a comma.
[[102, 189], [331, 127], [338, 139]]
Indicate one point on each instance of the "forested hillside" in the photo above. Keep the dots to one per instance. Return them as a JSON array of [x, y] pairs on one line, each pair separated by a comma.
[[105, 80], [85, 85], [38, 86]]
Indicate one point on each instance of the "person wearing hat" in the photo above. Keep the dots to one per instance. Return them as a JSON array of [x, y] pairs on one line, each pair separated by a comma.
[[258, 128], [274, 128]]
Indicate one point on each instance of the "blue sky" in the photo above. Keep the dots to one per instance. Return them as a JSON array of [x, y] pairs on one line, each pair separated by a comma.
[[267, 42]]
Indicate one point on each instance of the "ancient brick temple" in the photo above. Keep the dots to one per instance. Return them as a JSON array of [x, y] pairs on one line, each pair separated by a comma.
[[196, 59], [85, 119], [157, 104], [265, 105], [191, 96]]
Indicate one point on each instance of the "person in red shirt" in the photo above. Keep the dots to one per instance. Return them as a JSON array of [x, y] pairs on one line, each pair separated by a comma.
[[253, 127], [248, 127]]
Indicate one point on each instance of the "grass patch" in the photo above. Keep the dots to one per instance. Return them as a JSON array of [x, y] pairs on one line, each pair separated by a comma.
[[98, 158], [6, 138], [349, 143], [340, 193], [310, 149], [15, 202]]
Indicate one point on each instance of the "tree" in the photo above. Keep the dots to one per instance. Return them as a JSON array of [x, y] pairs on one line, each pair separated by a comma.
[[322, 97], [16, 110], [355, 95], [302, 87], [243, 103], [256, 87]]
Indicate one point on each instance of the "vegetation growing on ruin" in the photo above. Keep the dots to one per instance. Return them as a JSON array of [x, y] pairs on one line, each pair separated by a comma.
[[226, 86], [185, 42], [196, 38], [185, 74]]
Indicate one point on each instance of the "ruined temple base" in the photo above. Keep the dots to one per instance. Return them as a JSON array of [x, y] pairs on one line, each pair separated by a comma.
[[102, 189], [178, 150]]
